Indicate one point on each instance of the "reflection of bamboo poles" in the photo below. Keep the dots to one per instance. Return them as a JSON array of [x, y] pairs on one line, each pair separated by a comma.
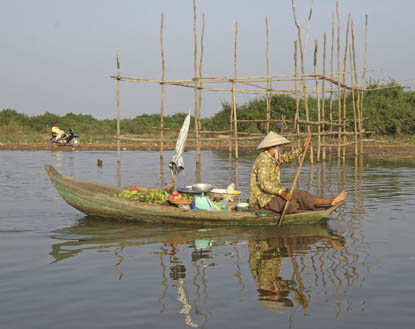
[[117, 253], [238, 273], [164, 279], [198, 294]]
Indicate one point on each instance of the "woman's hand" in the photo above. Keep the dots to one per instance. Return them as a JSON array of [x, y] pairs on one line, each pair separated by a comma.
[[286, 195]]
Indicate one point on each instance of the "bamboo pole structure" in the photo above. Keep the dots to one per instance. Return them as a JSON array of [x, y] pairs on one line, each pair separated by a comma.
[[118, 109], [325, 82], [323, 92], [197, 142], [163, 70]]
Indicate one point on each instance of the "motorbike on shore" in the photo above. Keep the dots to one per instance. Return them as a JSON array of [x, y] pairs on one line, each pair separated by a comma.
[[70, 139]]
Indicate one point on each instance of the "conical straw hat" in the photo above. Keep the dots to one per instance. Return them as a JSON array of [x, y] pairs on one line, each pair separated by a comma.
[[272, 139]]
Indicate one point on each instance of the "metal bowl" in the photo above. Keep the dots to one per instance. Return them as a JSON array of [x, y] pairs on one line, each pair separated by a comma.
[[202, 187]]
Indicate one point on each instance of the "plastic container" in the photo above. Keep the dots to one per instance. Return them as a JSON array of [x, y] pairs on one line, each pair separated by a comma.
[[243, 206]]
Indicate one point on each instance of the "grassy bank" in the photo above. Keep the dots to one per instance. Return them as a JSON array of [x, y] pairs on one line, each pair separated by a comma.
[[17, 134]]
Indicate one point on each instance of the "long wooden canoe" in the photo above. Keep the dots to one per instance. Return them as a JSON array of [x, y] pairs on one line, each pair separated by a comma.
[[96, 200]]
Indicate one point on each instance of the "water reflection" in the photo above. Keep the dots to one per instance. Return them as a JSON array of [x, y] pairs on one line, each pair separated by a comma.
[[285, 262]]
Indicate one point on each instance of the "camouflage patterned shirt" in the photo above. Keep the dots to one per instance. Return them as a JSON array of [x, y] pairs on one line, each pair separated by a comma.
[[265, 182]]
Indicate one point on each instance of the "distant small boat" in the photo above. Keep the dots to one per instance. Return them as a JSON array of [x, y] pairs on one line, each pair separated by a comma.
[[97, 200]]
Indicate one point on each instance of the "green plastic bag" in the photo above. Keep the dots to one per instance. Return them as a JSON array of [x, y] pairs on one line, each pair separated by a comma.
[[204, 203]]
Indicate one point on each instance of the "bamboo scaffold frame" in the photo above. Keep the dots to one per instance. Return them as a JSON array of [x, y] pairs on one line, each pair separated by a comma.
[[342, 83]]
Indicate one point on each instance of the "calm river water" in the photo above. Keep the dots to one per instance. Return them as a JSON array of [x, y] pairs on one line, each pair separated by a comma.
[[60, 269]]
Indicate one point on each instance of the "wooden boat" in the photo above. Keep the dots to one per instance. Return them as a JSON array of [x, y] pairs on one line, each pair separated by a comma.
[[96, 200]]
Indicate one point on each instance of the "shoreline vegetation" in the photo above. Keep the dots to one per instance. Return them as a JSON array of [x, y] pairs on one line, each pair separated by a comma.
[[389, 123]]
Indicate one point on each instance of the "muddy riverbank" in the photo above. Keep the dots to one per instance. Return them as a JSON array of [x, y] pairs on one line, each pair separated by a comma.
[[383, 151]]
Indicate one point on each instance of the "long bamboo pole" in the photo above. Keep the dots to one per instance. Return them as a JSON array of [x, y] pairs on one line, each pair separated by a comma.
[[359, 114], [200, 71], [331, 71], [235, 116], [268, 97], [297, 96], [363, 85], [354, 107], [118, 109], [197, 142], [344, 82], [244, 80], [323, 92], [163, 70], [318, 102], [339, 98], [297, 175], [302, 55]]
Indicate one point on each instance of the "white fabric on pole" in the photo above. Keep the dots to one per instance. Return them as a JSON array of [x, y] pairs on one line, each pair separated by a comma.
[[176, 165]]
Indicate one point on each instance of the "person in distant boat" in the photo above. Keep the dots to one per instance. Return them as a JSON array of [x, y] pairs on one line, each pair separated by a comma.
[[59, 133], [265, 189]]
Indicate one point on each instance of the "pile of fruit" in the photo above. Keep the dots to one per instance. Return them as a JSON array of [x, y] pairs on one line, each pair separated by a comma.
[[151, 195], [176, 196]]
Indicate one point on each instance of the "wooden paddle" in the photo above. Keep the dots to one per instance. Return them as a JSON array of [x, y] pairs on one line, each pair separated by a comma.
[[297, 175]]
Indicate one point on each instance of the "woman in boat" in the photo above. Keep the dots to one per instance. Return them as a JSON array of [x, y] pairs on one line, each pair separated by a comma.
[[265, 189]]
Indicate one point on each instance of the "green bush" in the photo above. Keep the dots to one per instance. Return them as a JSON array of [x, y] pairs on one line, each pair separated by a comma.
[[389, 110]]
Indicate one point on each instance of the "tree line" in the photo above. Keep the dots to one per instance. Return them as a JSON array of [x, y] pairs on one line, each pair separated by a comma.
[[388, 110]]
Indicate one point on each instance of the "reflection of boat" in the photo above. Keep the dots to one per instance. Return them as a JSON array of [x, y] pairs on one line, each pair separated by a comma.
[[96, 234], [96, 200], [191, 251]]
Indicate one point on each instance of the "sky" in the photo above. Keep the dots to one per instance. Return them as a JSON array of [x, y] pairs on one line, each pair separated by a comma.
[[57, 56]]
